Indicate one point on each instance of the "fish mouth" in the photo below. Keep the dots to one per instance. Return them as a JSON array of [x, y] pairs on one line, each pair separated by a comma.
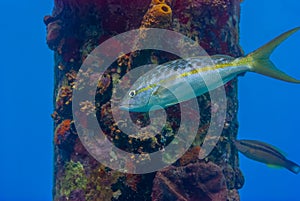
[[134, 107], [125, 107], [129, 107]]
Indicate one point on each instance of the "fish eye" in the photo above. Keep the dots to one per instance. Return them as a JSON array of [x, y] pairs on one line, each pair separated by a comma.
[[132, 93]]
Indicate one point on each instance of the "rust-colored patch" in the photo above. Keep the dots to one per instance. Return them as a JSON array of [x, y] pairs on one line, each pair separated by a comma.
[[61, 130]]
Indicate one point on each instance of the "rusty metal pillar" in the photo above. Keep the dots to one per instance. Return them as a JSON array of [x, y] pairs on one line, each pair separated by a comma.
[[74, 29]]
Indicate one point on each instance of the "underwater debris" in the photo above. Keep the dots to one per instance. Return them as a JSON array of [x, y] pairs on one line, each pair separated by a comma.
[[198, 181]]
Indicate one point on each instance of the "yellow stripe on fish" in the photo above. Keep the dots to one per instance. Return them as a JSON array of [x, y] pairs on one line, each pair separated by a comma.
[[185, 74]]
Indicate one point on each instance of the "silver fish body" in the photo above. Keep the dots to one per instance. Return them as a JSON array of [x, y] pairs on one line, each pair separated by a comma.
[[265, 153], [180, 80]]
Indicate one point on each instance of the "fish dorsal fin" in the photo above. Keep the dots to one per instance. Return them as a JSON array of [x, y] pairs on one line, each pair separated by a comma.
[[278, 150]]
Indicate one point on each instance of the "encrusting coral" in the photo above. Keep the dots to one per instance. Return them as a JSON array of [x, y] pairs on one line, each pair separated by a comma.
[[158, 16]]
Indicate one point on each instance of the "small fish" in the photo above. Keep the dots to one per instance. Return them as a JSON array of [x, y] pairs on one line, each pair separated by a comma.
[[183, 79], [265, 153]]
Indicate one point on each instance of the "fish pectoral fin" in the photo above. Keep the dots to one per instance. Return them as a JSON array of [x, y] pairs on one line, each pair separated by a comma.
[[279, 150], [170, 104], [161, 91], [274, 166]]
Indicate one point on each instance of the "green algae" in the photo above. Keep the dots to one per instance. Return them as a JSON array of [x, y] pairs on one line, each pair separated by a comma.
[[100, 182], [74, 178]]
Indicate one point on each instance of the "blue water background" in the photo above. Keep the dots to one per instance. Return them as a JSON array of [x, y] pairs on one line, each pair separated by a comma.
[[269, 109]]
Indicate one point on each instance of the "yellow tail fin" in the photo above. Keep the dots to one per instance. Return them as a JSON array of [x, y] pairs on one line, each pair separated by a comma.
[[260, 59]]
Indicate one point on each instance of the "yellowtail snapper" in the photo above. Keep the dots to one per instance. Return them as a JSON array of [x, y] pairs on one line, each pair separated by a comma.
[[265, 153], [157, 86]]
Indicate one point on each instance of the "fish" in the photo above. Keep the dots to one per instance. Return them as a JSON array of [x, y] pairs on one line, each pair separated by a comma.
[[184, 79], [265, 153]]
